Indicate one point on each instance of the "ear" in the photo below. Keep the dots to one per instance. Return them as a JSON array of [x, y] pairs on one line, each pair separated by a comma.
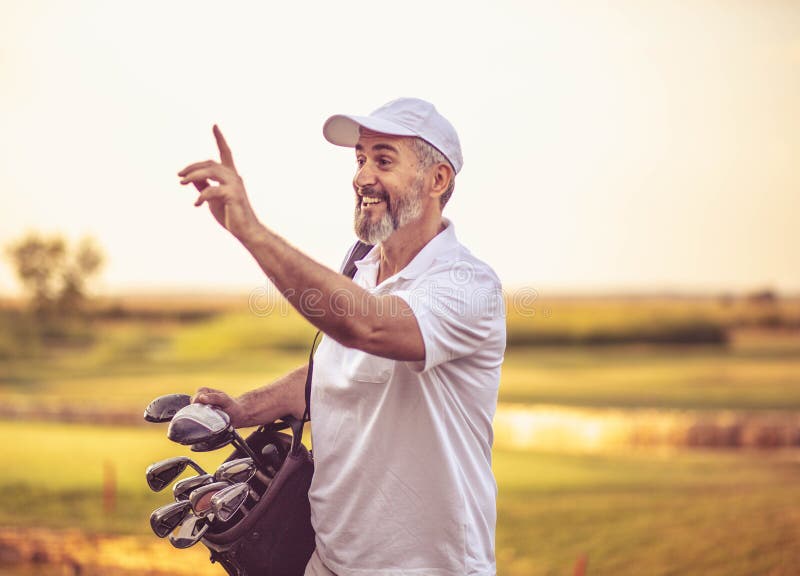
[[442, 175]]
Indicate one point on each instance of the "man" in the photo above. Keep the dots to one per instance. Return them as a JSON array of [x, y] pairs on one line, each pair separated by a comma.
[[405, 379]]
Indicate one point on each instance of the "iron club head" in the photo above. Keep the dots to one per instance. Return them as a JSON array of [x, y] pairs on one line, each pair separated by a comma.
[[189, 532], [160, 474], [164, 520], [184, 487], [235, 471], [200, 498], [226, 502]]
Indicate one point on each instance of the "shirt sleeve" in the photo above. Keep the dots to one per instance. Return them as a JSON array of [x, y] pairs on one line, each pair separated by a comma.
[[455, 315]]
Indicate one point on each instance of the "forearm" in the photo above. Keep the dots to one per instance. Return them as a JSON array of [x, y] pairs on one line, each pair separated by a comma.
[[283, 397], [331, 302]]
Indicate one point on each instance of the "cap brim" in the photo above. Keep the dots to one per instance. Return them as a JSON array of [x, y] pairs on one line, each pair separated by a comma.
[[343, 130]]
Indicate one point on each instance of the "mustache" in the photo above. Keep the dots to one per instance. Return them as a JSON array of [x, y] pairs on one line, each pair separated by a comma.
[[371, 192]]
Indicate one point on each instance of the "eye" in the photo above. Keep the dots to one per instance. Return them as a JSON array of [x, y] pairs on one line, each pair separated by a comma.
[[384, 161], [360, 160]]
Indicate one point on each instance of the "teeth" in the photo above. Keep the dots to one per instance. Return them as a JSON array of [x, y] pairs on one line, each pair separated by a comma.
[[371, 200]]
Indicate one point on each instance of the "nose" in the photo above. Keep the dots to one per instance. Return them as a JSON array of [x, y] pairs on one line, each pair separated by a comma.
[[365, 176]]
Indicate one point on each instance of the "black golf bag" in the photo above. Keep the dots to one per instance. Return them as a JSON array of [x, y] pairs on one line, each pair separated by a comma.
[[274, 537]]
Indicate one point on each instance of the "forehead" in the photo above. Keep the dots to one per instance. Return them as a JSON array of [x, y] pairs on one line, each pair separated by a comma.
[[369, 141]]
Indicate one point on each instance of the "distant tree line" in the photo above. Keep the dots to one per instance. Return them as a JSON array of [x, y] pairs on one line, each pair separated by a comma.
[[55, 274]]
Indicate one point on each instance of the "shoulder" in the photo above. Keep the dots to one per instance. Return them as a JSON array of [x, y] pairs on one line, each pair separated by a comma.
[[457, 266], [457, 283]]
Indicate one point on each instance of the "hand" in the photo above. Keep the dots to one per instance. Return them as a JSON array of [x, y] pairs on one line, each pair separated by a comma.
[[221, 400], [228, 200]]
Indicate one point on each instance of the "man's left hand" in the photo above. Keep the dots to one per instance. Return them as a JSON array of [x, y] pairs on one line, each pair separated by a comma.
[[227, 200]]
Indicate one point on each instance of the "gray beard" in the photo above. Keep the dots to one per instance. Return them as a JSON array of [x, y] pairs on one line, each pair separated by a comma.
[[402, 211]]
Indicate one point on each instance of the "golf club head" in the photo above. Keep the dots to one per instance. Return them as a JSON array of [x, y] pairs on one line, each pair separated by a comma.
[[160, 474], [235, 471], [200, 498], [226, 502], [272, 458], [197, 423], [184, 487], [215, 444], [163, 408], [189, 532], [165, 519]]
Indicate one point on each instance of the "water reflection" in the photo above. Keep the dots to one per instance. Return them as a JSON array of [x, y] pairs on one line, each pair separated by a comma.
[[522, 427]]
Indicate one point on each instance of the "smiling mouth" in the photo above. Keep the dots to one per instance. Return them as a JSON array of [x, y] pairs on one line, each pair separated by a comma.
[[370, 201]]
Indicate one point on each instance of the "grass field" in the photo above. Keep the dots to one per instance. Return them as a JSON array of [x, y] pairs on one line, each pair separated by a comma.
[[745, 375], [646, 512], [712, 513], [131, 361]]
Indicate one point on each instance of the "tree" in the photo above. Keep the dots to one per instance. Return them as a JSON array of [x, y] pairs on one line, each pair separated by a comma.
[[53, 274]]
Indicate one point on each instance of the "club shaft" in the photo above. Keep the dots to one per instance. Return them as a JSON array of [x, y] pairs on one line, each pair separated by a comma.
[[239, 442]]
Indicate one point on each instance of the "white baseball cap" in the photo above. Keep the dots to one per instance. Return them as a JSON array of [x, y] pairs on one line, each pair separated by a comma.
[[401, 117]]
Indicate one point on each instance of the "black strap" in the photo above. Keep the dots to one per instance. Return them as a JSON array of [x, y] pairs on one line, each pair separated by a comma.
[[357, 252], [307, 412]]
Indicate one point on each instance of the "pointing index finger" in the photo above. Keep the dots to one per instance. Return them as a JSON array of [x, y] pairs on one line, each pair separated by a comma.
[[224, 151]]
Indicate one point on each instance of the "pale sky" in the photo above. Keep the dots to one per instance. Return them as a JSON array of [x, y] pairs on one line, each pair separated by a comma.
[[608, 145]]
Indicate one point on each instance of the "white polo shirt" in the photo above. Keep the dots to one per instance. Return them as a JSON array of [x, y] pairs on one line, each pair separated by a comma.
[[403, 482]]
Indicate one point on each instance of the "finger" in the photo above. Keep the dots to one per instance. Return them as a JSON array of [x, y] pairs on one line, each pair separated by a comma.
[[208, 396], [208, 193], [200, 391], [216, 172], [225, 155], [196, 165], [202, 185], [219, 399]]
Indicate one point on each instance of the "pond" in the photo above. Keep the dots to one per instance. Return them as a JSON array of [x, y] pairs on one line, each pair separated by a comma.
[[525, 427]]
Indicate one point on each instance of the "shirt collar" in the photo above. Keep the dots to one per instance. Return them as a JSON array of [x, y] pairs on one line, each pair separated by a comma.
[[437, 246]]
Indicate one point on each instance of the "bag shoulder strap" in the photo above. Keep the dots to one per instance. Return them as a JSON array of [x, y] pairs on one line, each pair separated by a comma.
[[357, 252]]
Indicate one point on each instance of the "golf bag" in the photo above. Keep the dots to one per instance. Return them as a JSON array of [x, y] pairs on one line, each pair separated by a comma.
[[275, 538]]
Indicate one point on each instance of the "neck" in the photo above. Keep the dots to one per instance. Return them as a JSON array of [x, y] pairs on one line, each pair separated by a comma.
[[404, 244]]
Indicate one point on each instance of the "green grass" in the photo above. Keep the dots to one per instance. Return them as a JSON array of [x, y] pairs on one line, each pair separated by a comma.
[[710, 513], [743, 376], [133, 361], [648, 513]]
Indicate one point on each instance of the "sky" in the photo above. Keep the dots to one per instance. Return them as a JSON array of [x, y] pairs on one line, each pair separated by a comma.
[[609, 146]]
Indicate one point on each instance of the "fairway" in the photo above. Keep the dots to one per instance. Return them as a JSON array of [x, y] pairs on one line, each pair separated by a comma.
[[745, 375], [681, 512], [652, 511]]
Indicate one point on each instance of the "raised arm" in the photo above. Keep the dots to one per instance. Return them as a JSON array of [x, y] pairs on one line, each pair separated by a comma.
[[380, 325]]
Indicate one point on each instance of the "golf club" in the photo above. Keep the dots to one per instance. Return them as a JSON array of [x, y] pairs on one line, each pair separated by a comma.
[[200, 498], [197, 423], [189, 532], [160, 474], [235, 471], [207, 426], [184, 487], [272, 458], [164, 520], [226, 502], [163, 408], [216, 444]]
